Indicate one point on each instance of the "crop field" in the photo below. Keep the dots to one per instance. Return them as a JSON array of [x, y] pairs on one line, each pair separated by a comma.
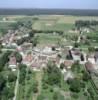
[[51, 25], [58, 23], [4, 26], [72, 19], [45, 39]]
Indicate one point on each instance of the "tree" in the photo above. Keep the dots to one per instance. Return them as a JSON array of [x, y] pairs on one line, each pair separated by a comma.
[[87, 42], [86, 76], [76, 67], [62, 66], [76, 45], [2, 82], [55, 96], [3, 31], [91, 49], [44, 85], [31, 34], [75, 86], [8, 93], [74, 95], [53, 74], [35, 87], [1, 48], [53, 48], [82, 23], [18, 57], [91, 92], [22, 74], [82, 57], [11, 77], [4, 59], [34, 41]]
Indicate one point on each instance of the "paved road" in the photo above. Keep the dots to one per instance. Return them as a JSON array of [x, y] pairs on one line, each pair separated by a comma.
[[16, 87]]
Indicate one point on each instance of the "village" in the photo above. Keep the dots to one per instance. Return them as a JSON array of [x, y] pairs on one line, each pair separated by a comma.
[[26, 49], [38, 57]]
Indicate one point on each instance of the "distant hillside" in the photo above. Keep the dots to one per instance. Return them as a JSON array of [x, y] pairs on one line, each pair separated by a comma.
[[48, 11]]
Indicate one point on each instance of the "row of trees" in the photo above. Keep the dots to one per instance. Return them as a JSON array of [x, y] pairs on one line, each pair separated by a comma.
[[25, 78], [85, 23], [22, 23], [5, 91], [7, 78], [52, 75], [22, 74], [48, 31], [4, 59], [31, 38]]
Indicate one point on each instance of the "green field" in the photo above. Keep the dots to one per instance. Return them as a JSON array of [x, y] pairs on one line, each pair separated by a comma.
[[4, 27], [58, 22], [51, 26], [25, 90], [44, 38]]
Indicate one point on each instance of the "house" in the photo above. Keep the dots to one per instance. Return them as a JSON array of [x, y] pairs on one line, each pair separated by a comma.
[[42, 58], [93, 58], [90, 67], [76, 53], [86, 30], [47, 50], [26, 46], [90, 58], [27, 59]]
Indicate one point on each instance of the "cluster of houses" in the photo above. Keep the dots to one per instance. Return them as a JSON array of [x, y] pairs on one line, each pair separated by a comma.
[[90, 61], [38, 57]]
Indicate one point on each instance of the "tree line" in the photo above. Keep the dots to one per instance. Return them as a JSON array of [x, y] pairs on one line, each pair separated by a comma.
[[85, 23]]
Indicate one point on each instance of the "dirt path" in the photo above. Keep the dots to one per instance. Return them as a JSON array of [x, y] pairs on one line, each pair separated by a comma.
[[39, 80], [16, 86]]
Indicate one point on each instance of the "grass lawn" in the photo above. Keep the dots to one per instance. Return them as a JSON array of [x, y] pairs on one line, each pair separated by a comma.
[[48, 93], [48, 38]]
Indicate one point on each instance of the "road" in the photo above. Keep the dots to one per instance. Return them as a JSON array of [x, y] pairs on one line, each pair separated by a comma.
[[16, 86], [5, 49], [8, 21]]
